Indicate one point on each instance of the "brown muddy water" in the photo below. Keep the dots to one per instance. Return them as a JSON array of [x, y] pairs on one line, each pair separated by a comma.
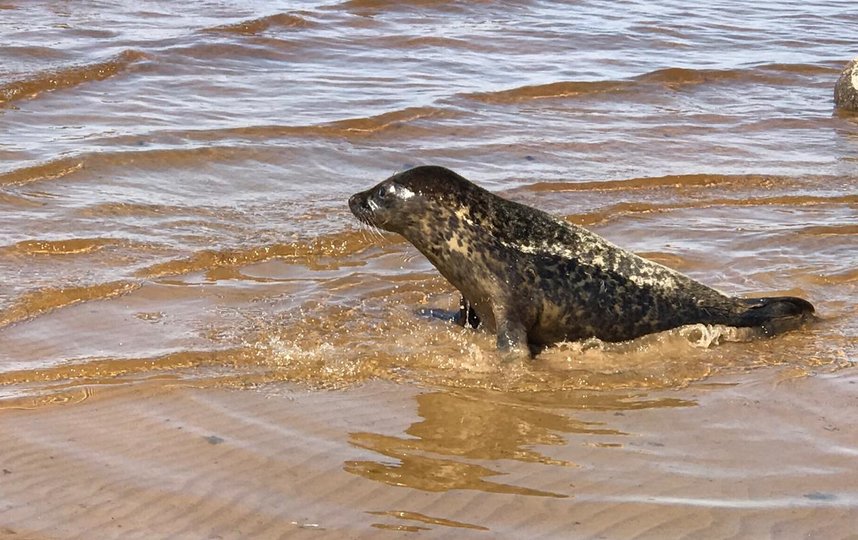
[[173, 187]]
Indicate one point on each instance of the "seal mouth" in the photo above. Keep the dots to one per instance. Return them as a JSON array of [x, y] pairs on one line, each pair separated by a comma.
[[361, 210]]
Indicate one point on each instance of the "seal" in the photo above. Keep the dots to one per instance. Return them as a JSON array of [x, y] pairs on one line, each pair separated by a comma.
[[534, 279]]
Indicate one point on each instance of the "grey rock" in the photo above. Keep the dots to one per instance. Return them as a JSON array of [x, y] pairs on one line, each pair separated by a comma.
[[846, 89]]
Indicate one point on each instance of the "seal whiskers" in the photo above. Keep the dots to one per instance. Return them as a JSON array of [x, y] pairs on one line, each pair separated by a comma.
[[534, 279]]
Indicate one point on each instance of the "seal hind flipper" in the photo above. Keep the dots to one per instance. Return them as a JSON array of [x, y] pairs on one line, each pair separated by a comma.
[[774, 314]]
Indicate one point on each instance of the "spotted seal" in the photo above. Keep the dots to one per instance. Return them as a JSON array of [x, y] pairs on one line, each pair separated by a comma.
[[535, 279]]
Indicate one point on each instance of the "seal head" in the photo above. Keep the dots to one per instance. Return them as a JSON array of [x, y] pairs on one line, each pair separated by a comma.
[[535, 279]]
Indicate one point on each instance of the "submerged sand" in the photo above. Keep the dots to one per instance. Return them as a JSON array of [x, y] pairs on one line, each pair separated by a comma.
[[769, 453]]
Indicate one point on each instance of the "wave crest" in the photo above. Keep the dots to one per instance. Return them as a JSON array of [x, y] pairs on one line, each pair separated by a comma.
[[256, 26], [671, 77], [68, 77]]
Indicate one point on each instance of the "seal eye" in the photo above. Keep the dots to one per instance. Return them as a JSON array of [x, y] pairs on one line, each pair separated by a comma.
[[387, 192]]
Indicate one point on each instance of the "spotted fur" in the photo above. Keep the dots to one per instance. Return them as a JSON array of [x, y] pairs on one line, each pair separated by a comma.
[[535, 279]]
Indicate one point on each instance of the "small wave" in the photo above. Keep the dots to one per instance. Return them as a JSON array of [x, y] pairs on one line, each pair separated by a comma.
[[256, 26], [802, 69], [349, 128], [386, 5], [17, 201], [44, 171], [339, 245], [676, 76], [44, 301], [402, 123], [158, 157], [123, 209], [103, 369], [657, 182], [261, 48], [617, 210], [430, 42], [382, 121], [626, 208], [762, 75], [778, 125], [673, 78], [361, 127], [551, 90], [72, 246], [68, 77], [213, 259]]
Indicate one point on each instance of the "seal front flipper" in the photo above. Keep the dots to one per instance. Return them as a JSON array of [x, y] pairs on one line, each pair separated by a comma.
[[467, 315], [512, 339]]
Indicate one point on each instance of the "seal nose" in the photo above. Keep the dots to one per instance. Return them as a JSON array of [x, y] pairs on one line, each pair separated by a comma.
[[355, 204]]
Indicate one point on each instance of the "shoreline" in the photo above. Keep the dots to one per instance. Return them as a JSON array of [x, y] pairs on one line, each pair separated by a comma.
[[761, 453]]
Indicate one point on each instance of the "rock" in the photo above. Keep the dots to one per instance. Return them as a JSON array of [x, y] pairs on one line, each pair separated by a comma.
[[846, 89]]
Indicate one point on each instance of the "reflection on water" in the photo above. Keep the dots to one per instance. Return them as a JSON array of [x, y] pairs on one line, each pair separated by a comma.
[[462, 428], [414, 516]]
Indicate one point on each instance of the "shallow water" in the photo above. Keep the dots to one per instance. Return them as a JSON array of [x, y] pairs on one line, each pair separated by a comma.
[[174, 182], [173, 186]]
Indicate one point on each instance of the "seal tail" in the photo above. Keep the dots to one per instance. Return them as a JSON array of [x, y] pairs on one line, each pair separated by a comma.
[[774, 314]]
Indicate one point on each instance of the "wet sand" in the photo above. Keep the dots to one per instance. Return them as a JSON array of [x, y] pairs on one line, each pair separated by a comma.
[[172, 461]]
